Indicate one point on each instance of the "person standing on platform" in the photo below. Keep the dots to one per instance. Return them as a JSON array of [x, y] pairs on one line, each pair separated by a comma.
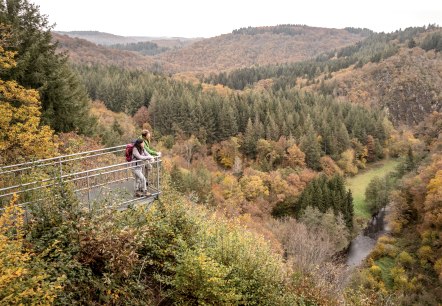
[[145, 135], [139, 154]]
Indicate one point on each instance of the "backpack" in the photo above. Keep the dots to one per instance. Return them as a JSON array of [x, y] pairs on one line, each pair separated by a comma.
[[129, 149]]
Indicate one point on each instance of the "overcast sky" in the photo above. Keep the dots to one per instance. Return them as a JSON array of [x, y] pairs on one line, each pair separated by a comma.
[[205, 18]]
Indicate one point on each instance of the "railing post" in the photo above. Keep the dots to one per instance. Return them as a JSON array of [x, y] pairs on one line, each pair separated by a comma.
[[61, 169], [158, 174], [61, 176], [88, 191]]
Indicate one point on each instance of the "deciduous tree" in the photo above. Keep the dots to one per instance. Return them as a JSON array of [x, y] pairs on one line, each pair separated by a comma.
[[21, 135]]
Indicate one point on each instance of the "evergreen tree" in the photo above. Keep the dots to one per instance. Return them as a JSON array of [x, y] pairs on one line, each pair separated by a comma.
[[227, 124], [64, 101], [310, 146], [349, 210], [250, 139], [342, 139], [327, 194], [409, 162]]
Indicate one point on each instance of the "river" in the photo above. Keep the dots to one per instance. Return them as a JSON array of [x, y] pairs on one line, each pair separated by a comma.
[[362, 245]]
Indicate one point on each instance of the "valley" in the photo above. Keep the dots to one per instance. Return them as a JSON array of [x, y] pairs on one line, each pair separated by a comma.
[[278, 144]]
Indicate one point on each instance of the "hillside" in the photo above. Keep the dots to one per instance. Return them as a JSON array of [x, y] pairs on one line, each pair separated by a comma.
[[242, 48], [399, 71], [107, 39], [101, 38], [259, 46], [408, 85], [84, 52]]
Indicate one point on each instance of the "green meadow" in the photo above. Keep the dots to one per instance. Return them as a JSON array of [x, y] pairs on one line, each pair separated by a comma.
[[359, 183]]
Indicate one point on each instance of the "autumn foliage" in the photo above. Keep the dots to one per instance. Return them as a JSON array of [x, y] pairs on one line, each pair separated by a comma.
[[22, 137]]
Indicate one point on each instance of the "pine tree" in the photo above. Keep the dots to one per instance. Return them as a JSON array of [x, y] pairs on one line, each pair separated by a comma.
[[371, 149], [64, 100], [249, 142], [349, 210], [227, 124], [310, 146], [409, 162]]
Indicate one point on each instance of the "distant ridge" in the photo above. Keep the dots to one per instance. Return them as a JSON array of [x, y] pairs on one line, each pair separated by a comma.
[[251, 46], [242, 48], [107, 39]]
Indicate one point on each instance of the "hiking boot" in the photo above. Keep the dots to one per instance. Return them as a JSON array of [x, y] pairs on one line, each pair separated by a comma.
[[147, 193], [139, 194]]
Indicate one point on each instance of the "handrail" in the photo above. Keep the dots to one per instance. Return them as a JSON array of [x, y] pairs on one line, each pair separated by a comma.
[[69, 155], [58, 160], [127, 165]]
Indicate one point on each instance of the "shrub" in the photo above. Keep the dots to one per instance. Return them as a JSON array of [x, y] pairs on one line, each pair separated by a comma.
[[405, 259], [23, 279]]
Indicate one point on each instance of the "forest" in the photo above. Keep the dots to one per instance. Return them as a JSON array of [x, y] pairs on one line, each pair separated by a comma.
[[255, 208]]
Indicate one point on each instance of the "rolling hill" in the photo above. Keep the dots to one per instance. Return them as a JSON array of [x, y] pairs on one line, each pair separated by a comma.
[[408, 84], [259, 46], [84, 52], [107, 39], [241, 48]]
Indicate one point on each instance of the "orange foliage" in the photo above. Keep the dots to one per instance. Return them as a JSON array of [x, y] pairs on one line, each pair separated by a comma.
[[106, 118], [226, 151], [329, 166], [295, 157], [141, 116]]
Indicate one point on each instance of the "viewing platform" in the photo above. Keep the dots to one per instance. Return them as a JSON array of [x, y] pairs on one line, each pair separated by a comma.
[[97, 176]]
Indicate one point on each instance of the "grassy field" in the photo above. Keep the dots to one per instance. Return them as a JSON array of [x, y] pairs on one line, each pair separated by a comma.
[[359, 183]]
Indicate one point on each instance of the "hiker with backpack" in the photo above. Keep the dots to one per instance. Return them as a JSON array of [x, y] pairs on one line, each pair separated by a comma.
[[135, 153]]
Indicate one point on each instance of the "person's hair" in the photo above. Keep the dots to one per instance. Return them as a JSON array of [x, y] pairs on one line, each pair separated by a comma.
[[144, 132], [138, 142]]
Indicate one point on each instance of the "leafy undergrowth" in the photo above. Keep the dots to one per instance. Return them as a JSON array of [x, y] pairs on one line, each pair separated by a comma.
[[173, 253]]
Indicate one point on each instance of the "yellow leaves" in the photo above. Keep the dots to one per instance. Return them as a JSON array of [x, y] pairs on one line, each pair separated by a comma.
[[384, 247], [434, 187], [433, 201], [205, 279], [405, 259], [226, 152], [295, 157], [425, 254], [438, 268], [20, 132], [22, 281], [376, 271], [107, 118], [346, 163], [7, 59], [399, 276], [409, 137], [230, 187], [253, 187]]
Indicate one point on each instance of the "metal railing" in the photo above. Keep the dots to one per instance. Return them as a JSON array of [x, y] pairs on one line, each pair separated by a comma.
[[87, 174]]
